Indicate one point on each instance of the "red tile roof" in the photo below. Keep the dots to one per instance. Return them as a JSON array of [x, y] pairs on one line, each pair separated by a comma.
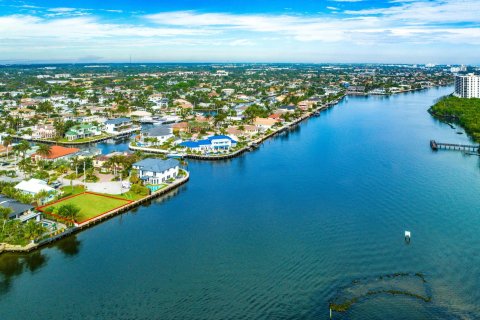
[[58, 152]]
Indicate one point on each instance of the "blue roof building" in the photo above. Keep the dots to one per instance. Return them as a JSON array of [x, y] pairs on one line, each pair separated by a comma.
[[213, 143]]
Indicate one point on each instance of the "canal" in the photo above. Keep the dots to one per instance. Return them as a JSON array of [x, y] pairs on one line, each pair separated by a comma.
[[314, 215]]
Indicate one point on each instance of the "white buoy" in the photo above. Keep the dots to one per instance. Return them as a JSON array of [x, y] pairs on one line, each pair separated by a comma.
[[408, 235]]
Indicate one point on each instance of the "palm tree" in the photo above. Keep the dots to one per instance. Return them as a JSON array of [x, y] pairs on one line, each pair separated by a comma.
[[5, 213], [22, 148], [69, 211], [44, 150], [75, 162], [33, 230], [40, 196], [7, 141], [25, 165]]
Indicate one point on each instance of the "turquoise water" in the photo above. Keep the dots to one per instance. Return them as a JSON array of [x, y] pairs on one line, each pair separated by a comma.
[[280, 232]]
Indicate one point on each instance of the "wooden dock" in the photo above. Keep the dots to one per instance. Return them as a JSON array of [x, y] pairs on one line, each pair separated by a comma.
[[452, 146]]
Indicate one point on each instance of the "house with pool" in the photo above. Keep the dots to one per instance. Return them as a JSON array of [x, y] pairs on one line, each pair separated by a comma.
[[211, 144], [156, 171], [156, 136]]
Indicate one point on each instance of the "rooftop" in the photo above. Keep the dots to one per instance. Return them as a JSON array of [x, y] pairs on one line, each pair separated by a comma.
[[16, 206], [159, 131], [59, 151], [117, 121], [155, 165], [33, 186]]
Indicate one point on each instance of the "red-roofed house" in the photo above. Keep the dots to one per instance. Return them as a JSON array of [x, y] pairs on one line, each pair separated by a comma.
[[57, 152]]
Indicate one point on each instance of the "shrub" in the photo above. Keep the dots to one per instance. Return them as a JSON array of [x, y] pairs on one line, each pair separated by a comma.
[[140, 190]]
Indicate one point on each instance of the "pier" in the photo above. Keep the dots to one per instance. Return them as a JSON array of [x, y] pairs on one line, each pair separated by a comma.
[[452, 146]]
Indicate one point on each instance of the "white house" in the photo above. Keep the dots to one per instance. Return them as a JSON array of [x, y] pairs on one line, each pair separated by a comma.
[[120, 125], [213, 143], [156, 171], [156, 136], [34, 186]]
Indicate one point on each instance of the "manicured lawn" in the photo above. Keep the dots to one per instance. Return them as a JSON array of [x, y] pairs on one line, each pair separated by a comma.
[[70, 191], [90, 204]]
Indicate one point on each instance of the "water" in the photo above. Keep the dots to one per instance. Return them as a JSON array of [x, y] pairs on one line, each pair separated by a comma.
[[280, 232]]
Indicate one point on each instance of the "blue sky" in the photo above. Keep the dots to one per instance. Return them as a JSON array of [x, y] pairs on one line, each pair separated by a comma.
[[393, 31]]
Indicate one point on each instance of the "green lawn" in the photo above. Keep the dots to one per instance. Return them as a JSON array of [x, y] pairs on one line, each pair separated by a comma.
[[91, 205], [72, 190]]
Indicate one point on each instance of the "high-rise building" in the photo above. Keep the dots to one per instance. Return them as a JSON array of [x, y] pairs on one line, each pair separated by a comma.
[[467, 86]]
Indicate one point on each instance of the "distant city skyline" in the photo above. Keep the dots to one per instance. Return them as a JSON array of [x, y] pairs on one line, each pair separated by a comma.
[[328, 31]]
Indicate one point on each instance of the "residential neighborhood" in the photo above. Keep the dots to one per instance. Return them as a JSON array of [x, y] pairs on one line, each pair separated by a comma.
[[71, 135]]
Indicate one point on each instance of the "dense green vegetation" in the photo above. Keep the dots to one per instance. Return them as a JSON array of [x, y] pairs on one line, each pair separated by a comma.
[[464, 112], [15, 232]]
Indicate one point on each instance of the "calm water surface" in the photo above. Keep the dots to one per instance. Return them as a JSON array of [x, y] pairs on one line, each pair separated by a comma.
[[280, 232]]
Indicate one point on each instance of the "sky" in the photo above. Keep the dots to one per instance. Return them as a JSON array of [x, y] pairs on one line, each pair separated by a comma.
[[308, 31]]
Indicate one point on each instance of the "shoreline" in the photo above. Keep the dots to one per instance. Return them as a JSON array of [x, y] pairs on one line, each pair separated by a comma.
[[251, 145], [453, 121], [78, 227]]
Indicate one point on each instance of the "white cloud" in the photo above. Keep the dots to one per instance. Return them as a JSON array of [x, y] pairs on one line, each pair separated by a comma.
[[398, 27], [31, 27], [362, 26], [241, 42], [62, 9]]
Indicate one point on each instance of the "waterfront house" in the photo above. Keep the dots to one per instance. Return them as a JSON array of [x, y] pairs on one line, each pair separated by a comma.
[[141, 115], [306, 104], [91, 119], [213, 143], [21, 211], [180, 127], [56, 153], [100, 161], [356, 90], [34, 186], [156, 171], [43, 132], [156, 136], [82, 131], [265, 123], [250, 129], [235, 131], [287, 108], [120, 125]]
